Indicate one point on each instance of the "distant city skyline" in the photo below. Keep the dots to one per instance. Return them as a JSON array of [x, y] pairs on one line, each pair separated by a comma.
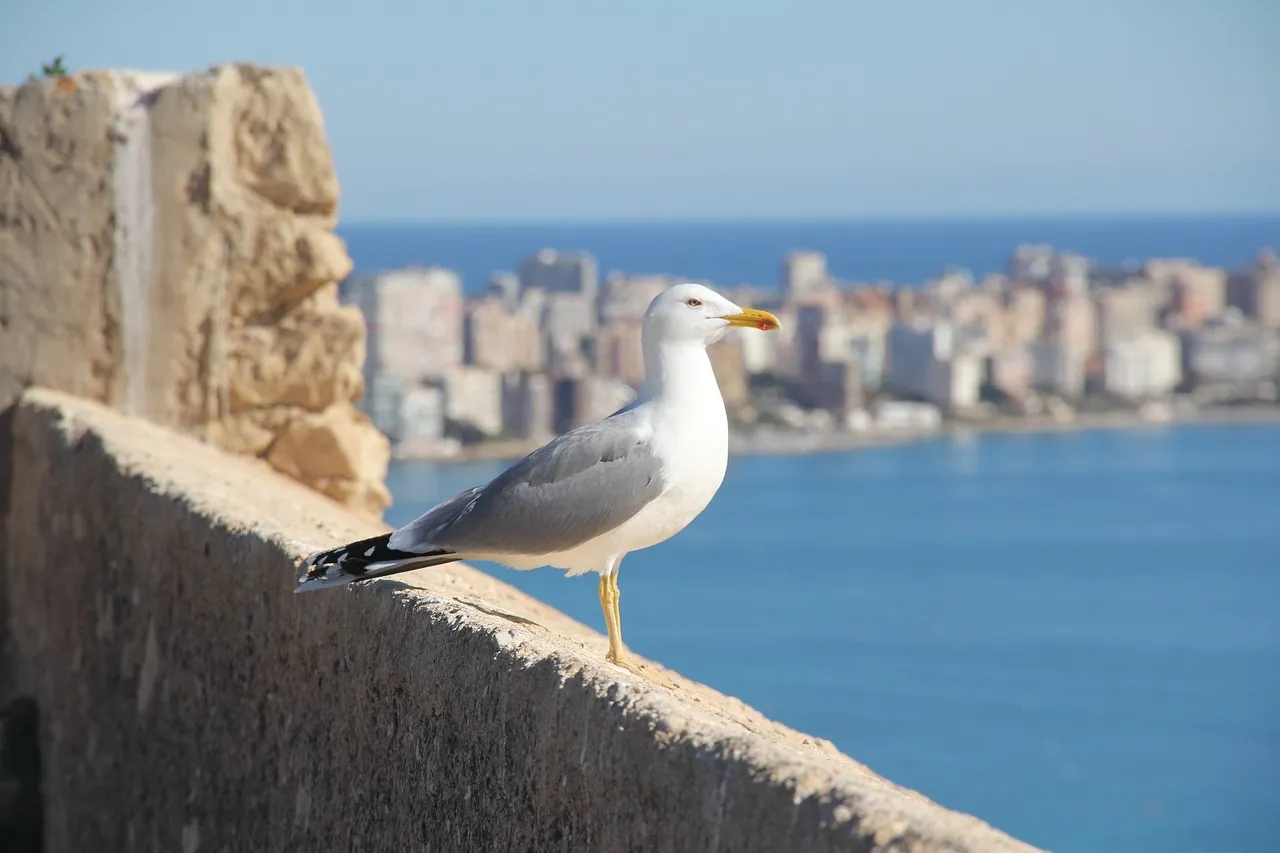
[[553, 346], [821, 109]]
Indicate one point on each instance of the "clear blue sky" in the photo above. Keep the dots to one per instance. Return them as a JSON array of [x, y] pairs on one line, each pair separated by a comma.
[[476, 109]]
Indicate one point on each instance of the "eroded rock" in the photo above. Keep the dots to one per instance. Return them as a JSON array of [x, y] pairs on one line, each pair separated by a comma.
[[309, 360], [167, 247], [335, 452]]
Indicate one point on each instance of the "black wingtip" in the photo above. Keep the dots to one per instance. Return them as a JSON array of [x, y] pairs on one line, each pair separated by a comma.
[[352, 562]]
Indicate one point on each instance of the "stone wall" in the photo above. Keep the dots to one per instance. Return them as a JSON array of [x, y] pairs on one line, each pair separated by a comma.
[[189, 701], [167, 248]]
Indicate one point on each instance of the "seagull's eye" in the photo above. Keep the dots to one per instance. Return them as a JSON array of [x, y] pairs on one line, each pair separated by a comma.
[[694, 302]]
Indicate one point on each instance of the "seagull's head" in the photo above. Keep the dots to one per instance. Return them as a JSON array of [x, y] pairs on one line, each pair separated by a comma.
[[697, 314]]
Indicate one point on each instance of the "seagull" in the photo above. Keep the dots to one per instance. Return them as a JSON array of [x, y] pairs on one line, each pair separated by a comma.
[[596, 493]]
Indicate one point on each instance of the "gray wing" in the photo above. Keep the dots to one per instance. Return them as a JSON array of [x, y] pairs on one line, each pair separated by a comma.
[[580, 485]]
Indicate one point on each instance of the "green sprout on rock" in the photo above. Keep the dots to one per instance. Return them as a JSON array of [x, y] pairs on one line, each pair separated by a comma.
[[54, 70]]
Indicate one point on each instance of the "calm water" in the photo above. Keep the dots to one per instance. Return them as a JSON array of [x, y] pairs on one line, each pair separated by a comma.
[[1074, 637], [730, 253]]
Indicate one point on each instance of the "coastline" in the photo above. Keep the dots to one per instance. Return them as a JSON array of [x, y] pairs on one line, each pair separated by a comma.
[[841, 442], [796, 442]]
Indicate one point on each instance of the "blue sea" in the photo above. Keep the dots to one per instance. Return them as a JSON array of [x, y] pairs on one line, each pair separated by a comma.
[[1075, 637], [731, 253]]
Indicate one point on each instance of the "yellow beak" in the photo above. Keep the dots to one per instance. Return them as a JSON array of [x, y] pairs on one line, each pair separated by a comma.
[[753, 318]]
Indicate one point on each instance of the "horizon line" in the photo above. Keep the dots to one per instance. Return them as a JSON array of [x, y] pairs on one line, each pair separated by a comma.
[[1109, 216]]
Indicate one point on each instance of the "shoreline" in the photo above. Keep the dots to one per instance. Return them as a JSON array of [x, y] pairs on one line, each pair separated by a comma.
[[800, 443], [1042, 425]]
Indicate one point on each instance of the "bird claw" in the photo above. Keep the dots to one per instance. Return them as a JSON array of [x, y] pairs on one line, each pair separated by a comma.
[[645, 671]]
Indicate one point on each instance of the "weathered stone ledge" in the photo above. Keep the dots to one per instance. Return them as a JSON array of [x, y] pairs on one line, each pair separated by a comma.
[[189, 701]]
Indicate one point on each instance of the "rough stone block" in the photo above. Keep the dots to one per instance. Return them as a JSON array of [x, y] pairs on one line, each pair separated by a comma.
[[167, 247]]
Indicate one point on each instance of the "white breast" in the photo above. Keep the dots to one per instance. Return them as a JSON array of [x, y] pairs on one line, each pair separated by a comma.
[[690, 434], [695, 453], [693, 443]]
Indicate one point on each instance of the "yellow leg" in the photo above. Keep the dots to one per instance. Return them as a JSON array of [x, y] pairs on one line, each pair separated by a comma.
[[610, 595], [612, 620], [617, 611]]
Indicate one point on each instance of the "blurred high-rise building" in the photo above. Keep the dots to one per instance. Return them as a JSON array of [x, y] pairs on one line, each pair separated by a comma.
[[804, 275], [505, 286], [414, 319], [1256, 290], [627, 297], [503, 339], [560, 272]]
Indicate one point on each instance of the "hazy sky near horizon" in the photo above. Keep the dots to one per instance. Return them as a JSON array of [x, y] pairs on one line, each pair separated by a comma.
[[732, 108]]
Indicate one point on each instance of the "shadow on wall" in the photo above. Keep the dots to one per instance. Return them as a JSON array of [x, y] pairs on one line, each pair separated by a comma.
[[21, 807]]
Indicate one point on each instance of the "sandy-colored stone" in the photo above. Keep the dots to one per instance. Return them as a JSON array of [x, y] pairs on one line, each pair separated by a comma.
[[188, 695], [337, 452], [281, 151], [167, 247], [250, 432], [288, 259], [370, 497], [59, 324], [310, 360]]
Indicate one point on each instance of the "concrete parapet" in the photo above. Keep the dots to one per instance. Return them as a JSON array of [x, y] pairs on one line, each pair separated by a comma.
[[189, 701]]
